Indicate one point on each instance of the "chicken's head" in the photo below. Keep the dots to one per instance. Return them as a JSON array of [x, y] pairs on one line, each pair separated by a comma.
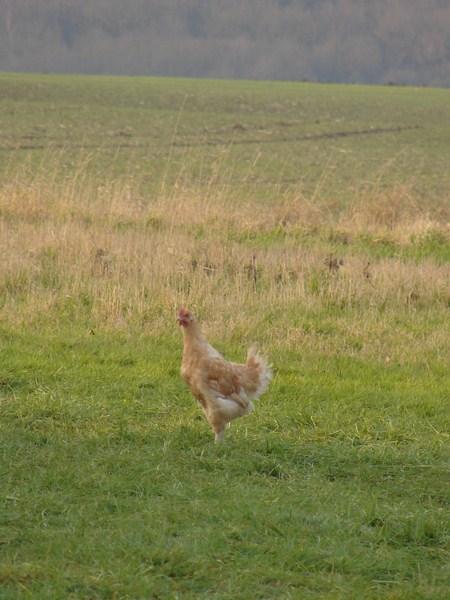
[[185, 317]]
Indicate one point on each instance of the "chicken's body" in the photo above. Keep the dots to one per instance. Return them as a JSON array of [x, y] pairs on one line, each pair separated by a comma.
[[225, 390]]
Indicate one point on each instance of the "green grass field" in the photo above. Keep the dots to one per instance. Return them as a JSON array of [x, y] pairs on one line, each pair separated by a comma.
[[312, 219], [319, 138]]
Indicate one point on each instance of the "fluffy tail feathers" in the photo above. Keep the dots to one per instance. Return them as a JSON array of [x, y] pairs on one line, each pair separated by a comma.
[[259, 363]]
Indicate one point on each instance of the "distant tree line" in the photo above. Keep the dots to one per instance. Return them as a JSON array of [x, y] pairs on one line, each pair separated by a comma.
[[373, 41]]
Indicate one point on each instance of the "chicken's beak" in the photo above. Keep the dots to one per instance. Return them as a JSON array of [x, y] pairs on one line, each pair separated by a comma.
[[182, 321], [183, 318]]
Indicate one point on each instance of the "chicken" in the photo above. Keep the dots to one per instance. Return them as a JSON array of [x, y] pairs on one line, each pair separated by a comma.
[[224, 390]]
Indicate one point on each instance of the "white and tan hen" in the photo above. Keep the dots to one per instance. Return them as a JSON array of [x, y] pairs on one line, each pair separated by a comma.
[[225, 390]]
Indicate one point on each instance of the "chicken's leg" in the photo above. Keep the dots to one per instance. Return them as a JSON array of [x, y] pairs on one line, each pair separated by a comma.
[[219, 435]]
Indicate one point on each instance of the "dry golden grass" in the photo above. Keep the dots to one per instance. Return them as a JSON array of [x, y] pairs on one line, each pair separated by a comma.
[[109, 255], [397, 213]]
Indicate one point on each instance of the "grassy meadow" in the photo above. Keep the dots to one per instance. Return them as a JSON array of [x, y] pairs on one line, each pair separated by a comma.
[[312, 219]]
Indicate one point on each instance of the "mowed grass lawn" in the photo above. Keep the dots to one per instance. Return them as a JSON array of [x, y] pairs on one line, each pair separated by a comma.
[[256, 205]]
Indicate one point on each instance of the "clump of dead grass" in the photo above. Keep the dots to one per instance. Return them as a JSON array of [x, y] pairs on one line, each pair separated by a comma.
[[110, 255], [395, 213]]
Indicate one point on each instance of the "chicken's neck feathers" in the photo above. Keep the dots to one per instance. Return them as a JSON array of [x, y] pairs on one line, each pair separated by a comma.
[[193, 337], [196, 342]]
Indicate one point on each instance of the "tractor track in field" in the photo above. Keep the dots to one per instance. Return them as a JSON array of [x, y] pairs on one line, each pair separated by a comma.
[[218, 142], [302, 138]]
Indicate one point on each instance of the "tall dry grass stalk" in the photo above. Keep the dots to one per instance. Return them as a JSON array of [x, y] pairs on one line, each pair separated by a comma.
[[109, 255]]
